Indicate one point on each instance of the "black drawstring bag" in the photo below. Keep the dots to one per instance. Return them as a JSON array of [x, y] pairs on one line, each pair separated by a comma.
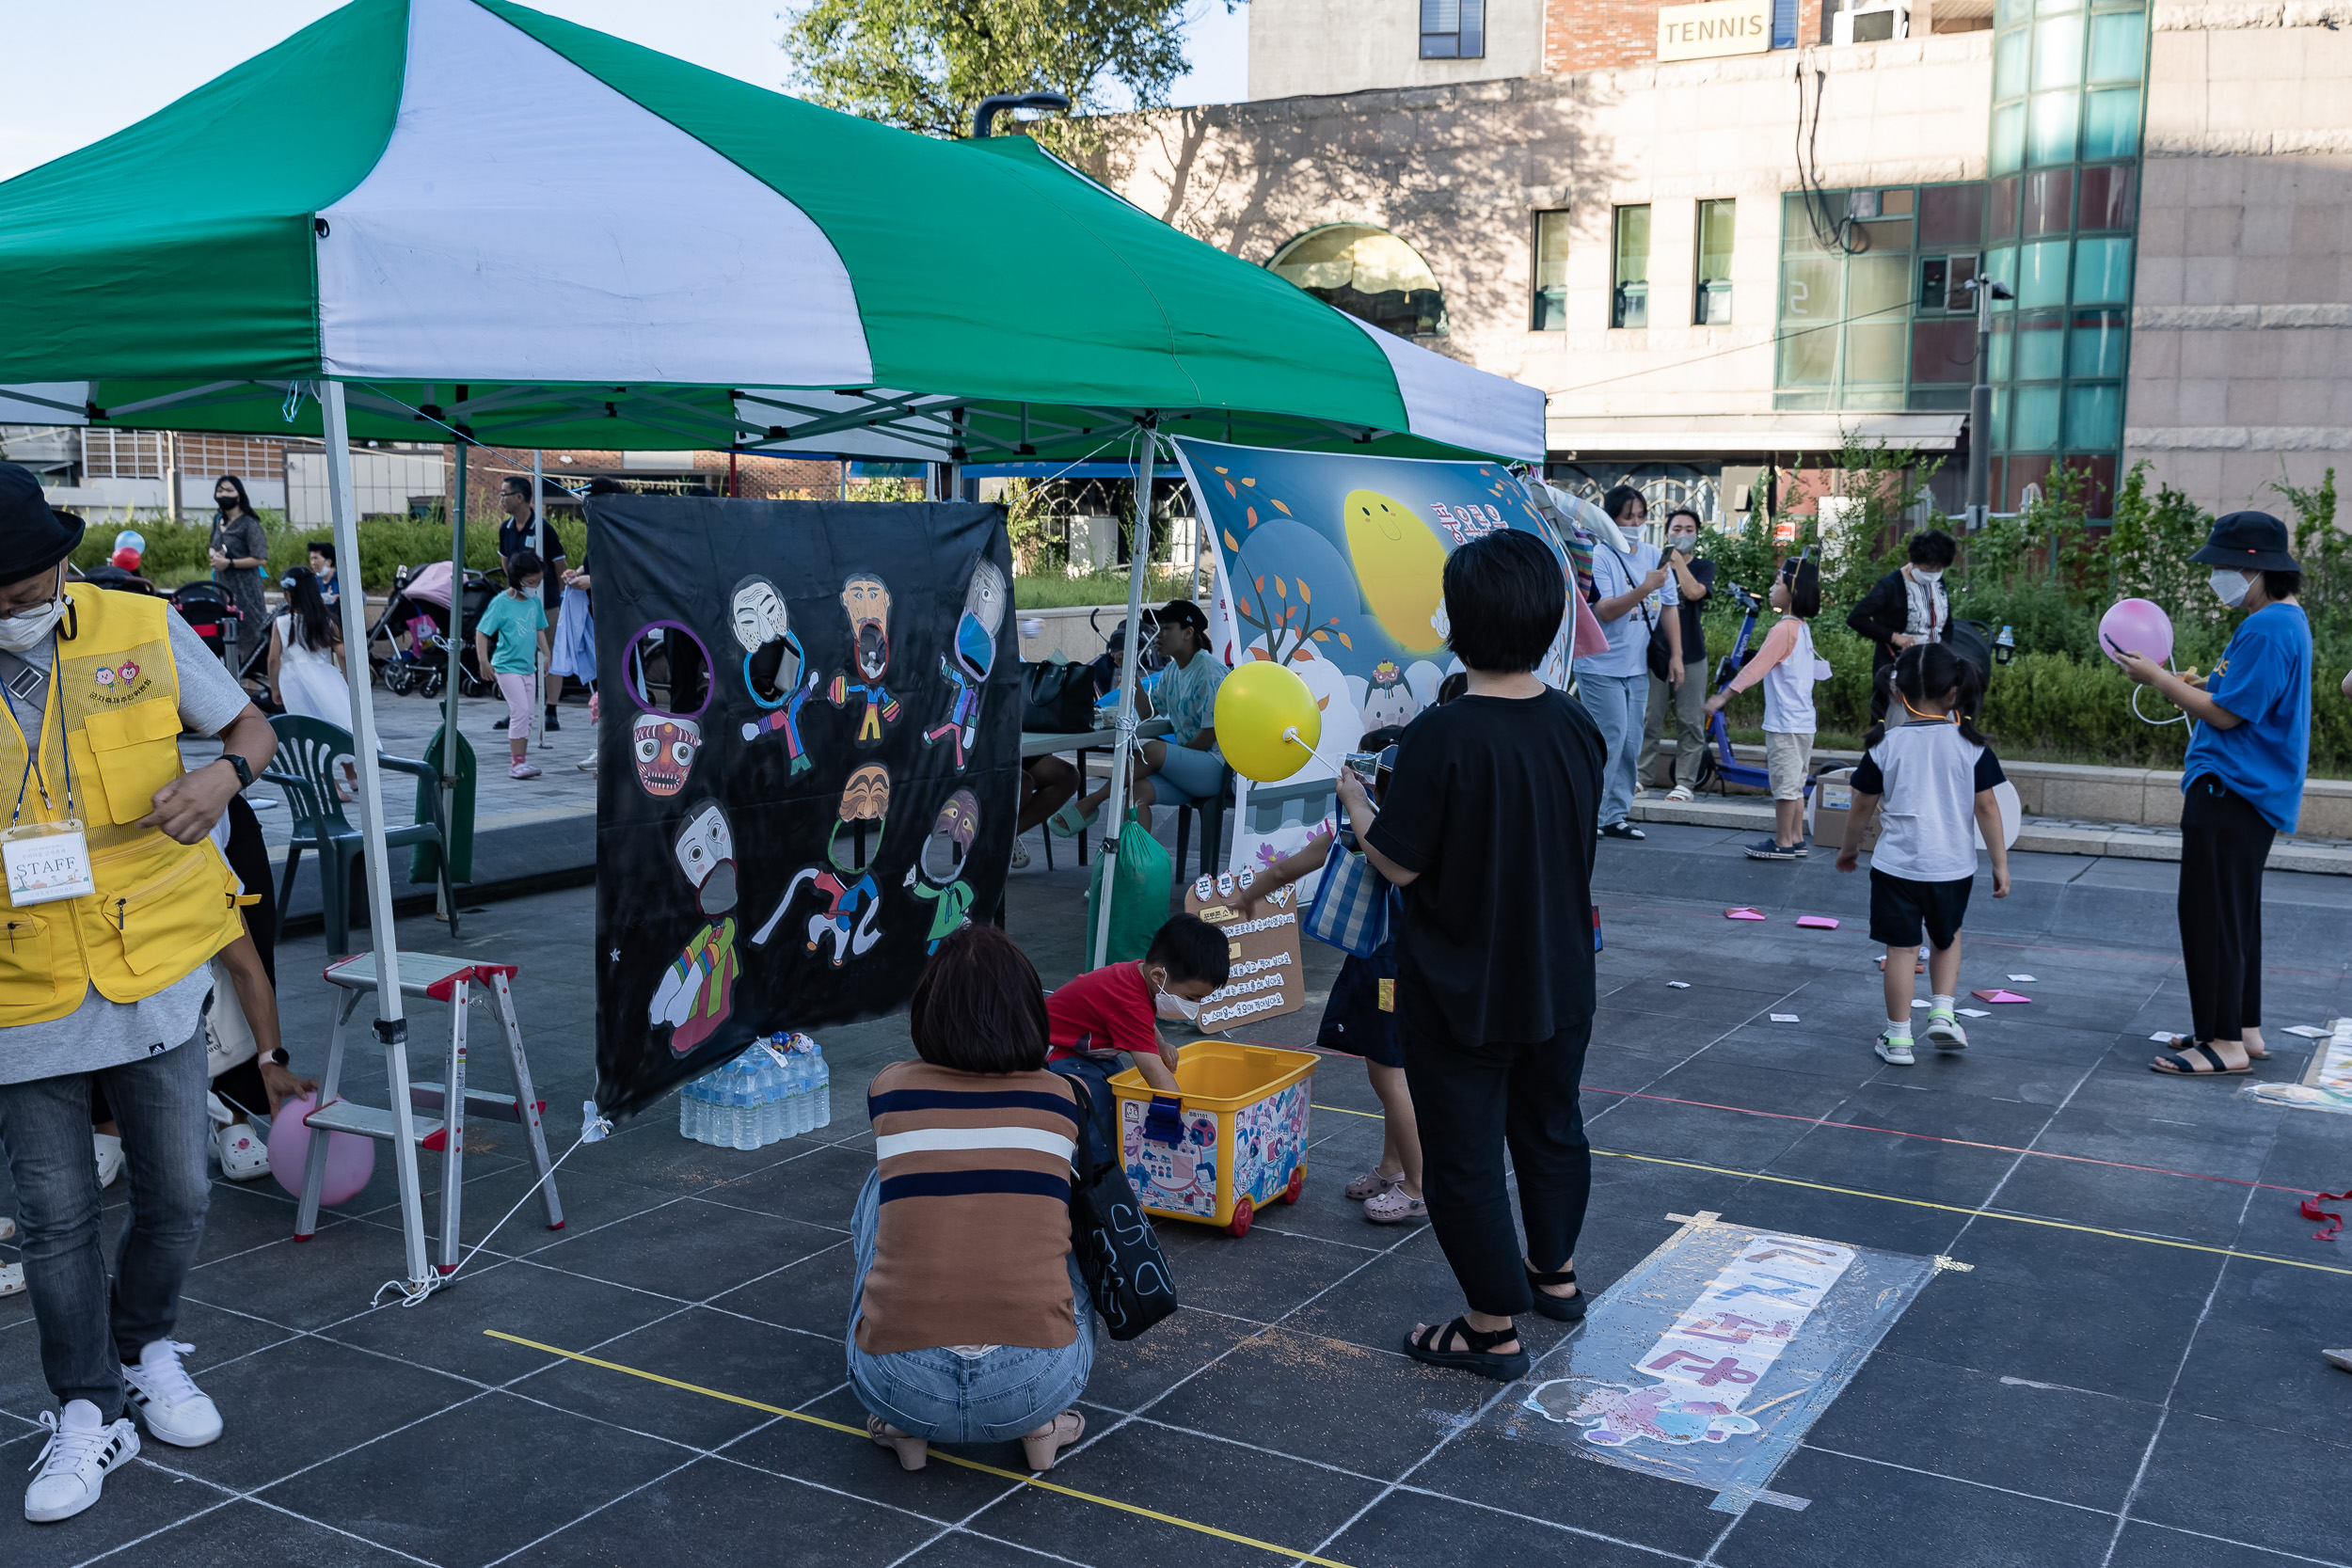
[[1119, 1254]]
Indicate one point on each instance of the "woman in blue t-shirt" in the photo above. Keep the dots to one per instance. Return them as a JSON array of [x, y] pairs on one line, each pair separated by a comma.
[[2242, 784]]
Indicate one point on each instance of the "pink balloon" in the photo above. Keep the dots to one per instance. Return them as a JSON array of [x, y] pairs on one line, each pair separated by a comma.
[[2137, 626], [350, 1158]]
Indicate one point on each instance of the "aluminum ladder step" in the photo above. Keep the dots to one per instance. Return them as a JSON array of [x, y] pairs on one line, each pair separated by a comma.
[[374, 1121], [479, 1103]]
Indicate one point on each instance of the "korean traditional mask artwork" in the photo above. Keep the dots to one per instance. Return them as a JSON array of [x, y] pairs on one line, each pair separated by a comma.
[[856, 837], [951, 836], [665, 749], [983, 615], [704, 850], [868, 604]]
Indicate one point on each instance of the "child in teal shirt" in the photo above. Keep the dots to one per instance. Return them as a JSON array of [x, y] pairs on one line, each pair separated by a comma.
[[510, 640]]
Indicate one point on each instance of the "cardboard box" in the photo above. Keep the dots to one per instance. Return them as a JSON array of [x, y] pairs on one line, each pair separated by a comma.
[[1833, 798]]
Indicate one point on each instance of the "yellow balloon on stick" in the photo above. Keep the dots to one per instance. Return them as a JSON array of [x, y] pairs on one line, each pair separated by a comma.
[[1268, 724]]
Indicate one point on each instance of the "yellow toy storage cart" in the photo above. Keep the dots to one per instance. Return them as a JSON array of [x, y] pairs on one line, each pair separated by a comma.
[[1232, 1140]]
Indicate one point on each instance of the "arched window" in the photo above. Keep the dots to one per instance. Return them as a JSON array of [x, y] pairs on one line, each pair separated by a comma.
[[1370, 273]]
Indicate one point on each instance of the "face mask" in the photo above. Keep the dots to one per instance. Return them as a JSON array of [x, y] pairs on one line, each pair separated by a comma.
[[1686, 542], [2230, 587], [30, 628], [1930, 578], [1173, 1008]]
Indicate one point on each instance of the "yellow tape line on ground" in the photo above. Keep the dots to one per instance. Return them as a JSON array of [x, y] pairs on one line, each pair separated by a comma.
[[1946, 1208], [859, 1433]]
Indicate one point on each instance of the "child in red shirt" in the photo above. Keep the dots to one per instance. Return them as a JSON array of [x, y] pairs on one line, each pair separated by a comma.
[[1117, 1008]]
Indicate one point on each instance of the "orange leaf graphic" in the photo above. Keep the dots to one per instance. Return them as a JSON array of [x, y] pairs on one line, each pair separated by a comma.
[[1279, 507], [1304, 597], [1344, 640]]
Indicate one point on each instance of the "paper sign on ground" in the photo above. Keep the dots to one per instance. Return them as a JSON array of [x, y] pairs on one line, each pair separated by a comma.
[[1978, 1012], [2023, 980], [1743, 915], [1783, 1017], [1262, 942]]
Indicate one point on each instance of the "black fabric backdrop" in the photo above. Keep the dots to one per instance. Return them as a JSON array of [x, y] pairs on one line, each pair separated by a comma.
[[681, 983]]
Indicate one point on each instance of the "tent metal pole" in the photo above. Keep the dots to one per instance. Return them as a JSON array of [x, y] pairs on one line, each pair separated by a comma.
[[456, 652], [392, 1028], [1115, 809], [547, 568]]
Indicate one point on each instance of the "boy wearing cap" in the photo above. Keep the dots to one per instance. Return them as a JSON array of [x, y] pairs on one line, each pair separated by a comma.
[[2242, 784]]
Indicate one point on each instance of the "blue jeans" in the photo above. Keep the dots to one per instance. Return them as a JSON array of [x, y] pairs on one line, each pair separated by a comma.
[[948, 1398], [1620, 706], [85, 1337]]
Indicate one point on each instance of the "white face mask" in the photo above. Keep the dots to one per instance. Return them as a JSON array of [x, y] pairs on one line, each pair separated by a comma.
[[1923, 575], [2230, 587], [27, 629], [1175, 1008]]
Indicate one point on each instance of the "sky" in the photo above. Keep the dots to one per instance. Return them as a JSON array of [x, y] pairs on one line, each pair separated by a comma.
[[88, 69]]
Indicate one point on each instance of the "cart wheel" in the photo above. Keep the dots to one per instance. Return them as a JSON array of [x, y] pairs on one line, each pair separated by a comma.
[[1243, 1213], [1298, 1185]]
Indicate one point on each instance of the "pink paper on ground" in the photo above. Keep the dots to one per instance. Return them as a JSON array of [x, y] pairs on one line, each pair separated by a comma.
[[1817, 922], [1741, 915], [1998, 996]]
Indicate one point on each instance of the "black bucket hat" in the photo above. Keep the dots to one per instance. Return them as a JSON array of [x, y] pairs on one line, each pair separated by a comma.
[[33, 538], [2247, 542]]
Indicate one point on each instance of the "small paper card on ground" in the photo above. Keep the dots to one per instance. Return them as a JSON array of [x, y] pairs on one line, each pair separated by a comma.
[[2161, 1038], [1998, 996], [1817, 922], [1743, 914], [2303, 1029], [1972, 1012], [1783, 1017], [1919, 1002], [2023, 980], [1678, 984]]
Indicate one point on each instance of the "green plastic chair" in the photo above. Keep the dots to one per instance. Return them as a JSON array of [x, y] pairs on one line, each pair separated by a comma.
[[304, 768]]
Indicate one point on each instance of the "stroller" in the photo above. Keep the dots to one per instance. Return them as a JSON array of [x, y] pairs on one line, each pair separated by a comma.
[[419, 605]]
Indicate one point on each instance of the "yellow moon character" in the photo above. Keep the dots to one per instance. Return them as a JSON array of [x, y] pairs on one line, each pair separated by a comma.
[[1400, 564]]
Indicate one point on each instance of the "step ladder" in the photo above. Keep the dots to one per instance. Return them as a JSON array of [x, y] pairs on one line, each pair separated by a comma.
[[459, 982]]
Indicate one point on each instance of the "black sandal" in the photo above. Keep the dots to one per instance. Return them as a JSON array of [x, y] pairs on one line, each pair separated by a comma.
[[1480, 1358], [2174, 1066], [1566, 1309]]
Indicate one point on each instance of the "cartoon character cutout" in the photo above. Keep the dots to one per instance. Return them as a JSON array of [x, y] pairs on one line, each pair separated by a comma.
[[697, 993], [941, 865], [866, 602], [774, 665], [854, 898], [1612, 1415], [974, 654], [665, 747], [1387, 698]]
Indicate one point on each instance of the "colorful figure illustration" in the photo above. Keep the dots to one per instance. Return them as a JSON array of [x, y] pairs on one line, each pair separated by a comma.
[[1614, 1415], [866, 601], [773, 664], [1387, 698], [974, 652], [853, 897], [941, 865], [698, 991], [666, 748]]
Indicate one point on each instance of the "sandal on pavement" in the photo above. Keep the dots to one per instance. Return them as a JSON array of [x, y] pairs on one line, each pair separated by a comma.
[[1481, 1358], [2173, 1066], [1370, 1185], [1070, 821], [2182, 1042], [1044, 1445], [1394, 1207], [914, 1452], [1566, 1309]]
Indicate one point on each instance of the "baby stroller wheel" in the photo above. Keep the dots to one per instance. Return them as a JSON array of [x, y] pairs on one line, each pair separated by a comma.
[[399, 677], [431, 685]]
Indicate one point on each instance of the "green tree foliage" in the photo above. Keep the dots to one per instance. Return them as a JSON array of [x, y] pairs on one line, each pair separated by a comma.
[[923, 65]]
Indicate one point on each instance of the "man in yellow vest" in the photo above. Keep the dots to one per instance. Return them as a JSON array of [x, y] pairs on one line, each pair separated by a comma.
[[115, 897]]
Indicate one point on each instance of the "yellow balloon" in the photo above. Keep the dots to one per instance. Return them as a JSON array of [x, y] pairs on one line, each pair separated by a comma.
[[1268, 724], [1400, 565]]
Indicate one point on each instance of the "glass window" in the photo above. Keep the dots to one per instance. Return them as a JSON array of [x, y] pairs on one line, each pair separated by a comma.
[[2010, 12], [2050, 202], [1713, 305], [1453, 29], [2103, 272], [1812, 303], [1551, 273], [2008, 138], [1951, 215], [2057, 52], [2107, 198], [2113, 129], [2050, 137], [1883, 234], [1877, 308], [2033, 419], [2095, 346], [1897, 202], [1799, 214], [2041, 274], [1874, 352], [2118, 46], [2094, 415], [2008, 65], [2004, 348], [2040, 354], [2052, 7], [2001, 214], [1370, 273], [1943, 351], [2001, 418], [1628, 297]]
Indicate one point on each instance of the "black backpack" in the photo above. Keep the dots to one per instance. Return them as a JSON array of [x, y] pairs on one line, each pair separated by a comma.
[[1058, 699], [1119, 1254]]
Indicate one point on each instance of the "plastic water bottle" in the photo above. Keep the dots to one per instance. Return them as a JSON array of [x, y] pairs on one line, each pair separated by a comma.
[[821, 1088], [747, 1090], [690, 1106]]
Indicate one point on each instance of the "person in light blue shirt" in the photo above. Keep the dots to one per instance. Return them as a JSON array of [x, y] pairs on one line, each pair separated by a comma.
[[2242, 784], [1615, 685]]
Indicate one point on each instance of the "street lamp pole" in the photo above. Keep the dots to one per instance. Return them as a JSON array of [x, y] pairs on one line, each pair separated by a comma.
[[1980, 403]]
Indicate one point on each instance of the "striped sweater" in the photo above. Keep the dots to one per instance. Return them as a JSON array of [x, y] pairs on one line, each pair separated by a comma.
[[974, 1233]]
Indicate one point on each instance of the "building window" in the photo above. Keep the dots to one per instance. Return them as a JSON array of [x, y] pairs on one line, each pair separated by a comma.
[[1550, 312], [1713, 305], [1628, 297], [1370, 273], [1453, 29]]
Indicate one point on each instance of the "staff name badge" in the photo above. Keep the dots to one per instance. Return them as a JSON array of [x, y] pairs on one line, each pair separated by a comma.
[[46, 861]]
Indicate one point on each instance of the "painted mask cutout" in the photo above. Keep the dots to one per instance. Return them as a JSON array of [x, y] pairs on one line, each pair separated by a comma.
[[983, 615], [950, 840], [705, 848], [856, 837], [759, 613], [665, 750], [868, 604]]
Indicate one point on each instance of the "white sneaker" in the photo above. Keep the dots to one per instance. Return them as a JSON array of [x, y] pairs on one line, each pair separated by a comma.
[[109, 1163], [1020, 856], [167, 1400], [72, 1468], [1895, 1048], [243, 1157], [12, 1279], [1945, 1033]]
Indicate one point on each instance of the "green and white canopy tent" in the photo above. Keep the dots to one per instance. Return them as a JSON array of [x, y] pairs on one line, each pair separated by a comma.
[[463, 219]]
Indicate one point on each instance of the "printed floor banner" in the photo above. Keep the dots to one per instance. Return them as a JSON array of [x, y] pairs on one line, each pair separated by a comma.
[[808, 765], [1332, 565]]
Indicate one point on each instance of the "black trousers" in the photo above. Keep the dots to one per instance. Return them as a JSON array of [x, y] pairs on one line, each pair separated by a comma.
[[1472, 1102], [2224, 842]]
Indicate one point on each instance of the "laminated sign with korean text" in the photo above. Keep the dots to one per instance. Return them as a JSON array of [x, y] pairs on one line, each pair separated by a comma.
[[1260, 944]]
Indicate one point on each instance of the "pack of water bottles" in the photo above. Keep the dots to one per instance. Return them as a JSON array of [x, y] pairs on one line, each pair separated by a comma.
[[777, 1089]]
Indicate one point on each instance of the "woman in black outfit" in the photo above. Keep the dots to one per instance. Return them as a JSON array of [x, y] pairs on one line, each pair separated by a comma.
[[1905, 607]]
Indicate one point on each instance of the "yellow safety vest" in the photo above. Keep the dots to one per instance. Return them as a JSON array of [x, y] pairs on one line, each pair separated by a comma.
[[111, 733]]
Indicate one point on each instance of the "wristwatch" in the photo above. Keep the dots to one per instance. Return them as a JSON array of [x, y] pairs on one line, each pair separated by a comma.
[[245, 772]]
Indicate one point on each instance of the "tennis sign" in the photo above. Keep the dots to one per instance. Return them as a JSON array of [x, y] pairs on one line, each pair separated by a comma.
[[1718, 27]]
